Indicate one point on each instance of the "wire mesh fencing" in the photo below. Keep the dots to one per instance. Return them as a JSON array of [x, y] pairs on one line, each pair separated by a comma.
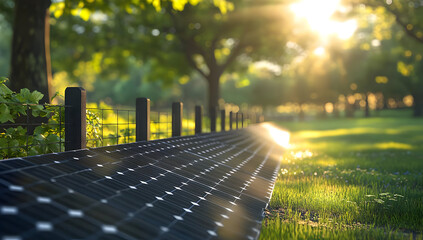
[[110, 126], [188, 122], [31, 129], [160, 124], [205, 123], [40, 129]]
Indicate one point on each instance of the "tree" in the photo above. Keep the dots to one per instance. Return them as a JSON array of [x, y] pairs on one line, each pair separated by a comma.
[[214, 43], [408, 16], [6, 35], [210, 38], [30, 57]]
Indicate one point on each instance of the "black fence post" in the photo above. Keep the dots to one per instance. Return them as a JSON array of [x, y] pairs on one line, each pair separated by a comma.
[[142, 121], [75, 118], [242, 120], [213, 120], [198, 119], [231, 117], [236, 120], [222, 120], [177, 119]]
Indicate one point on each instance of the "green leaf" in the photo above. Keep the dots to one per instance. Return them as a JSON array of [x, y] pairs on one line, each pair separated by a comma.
[[24, 95], [35, 97], [5, 115], [20, 130], [33, 151], [52, 138], [39, 130], [53, 122], [14, 143], [57, 94], [53, 142], [37, 110], [4, 90], [19, 109], [39, 137], [3, 142]]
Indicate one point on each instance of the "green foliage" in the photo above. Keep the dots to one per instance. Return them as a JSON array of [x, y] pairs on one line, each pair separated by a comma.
[[14, 105], [48, 137], [16, 141], [94, 129]]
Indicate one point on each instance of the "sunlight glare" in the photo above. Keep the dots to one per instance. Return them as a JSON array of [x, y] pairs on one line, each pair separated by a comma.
[[318, 15], [280, 137], [319, 51]]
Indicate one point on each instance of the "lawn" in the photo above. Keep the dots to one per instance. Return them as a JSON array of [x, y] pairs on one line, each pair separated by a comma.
[[349, 178]]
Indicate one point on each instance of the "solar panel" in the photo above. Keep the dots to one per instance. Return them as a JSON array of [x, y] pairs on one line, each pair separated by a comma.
[[210, 186]]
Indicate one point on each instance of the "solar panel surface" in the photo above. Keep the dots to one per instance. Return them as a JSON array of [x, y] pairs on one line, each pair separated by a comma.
[[210, 186]]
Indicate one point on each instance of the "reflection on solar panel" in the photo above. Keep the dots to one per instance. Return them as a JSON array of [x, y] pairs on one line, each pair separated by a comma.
[[198, 187]]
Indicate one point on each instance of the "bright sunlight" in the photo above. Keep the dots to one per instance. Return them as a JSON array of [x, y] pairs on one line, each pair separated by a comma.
[[318, 15], [281, 137]]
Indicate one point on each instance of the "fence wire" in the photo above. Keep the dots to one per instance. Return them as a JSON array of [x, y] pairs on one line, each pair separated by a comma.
[[40, 128], [160, 124], [33, 129], [188, 122], [111, 126]]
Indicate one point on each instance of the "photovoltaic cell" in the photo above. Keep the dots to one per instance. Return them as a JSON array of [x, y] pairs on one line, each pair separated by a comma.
[[209, 186]]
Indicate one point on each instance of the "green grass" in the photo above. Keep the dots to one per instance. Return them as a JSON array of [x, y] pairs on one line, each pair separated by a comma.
[[349, 179]]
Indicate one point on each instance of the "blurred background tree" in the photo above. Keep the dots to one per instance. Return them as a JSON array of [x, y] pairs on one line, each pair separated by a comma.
[[401, 24], [265, 53]]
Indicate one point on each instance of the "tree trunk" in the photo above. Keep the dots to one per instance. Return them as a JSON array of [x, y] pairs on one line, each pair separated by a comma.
[[301, 114], [335, 110], [213, 97], [349, 110], [417, 105], [366, 109], [385, 103], [30, 62], [324, 113]]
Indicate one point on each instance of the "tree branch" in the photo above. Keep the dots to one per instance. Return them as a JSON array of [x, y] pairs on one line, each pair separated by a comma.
[[193, 64], [189, 45], [235, 52], [399, 21], [404, 25], [213, 62]]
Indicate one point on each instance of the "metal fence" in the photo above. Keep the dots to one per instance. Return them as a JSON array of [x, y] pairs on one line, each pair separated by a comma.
[[115, 126], [160, 124], [36, 129], [49, 128]]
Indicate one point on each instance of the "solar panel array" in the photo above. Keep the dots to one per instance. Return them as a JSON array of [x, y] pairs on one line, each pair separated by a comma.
[[200, 187]]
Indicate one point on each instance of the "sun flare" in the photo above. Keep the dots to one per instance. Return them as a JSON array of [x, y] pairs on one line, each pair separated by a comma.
[[318, 14], [279, 136]]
